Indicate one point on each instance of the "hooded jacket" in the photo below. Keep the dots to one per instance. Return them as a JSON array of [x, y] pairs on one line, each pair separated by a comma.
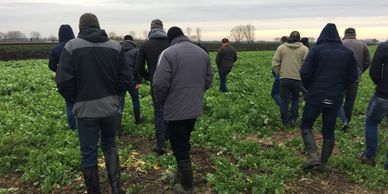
[[130, 53], [65, 34], [379, 70], [328, 69], [149, 52], [288, 60], [183, 74], [361, 53], [92, 73]]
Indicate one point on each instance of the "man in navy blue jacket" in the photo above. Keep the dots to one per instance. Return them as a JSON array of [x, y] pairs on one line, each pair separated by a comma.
[[329, 68]]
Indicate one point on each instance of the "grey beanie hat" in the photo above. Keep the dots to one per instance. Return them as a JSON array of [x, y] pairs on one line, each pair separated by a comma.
[[157, 23], [88, 20]]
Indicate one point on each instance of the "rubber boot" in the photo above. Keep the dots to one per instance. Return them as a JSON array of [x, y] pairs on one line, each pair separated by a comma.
[[311, 148], [113, 169], [138, 119], [327, 150], [92, 180], [186, 182]]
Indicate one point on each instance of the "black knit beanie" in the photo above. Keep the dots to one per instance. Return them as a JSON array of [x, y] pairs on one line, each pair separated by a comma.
[[174, 32], [88, 20]]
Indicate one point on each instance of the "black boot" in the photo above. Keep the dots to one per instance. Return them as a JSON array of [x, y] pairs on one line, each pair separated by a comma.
[[311, 148], [138, 119], [113, 170], [327, 150], [186, 181], [92, 180]]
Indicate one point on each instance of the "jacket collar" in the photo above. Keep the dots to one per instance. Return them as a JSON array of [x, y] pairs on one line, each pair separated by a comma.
[[179, 39]]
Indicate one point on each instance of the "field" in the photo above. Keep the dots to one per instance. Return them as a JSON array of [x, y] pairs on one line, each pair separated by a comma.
[[237, 146]]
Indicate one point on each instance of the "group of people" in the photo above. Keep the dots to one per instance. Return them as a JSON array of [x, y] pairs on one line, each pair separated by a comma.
[[329, 75], [93, 73]]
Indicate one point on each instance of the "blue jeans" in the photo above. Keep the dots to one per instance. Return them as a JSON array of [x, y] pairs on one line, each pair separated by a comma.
[[90, 131], [329, 116], [377, 110], [70, 115], [289, 91], [275, 92], [223, 73], [134, 93]]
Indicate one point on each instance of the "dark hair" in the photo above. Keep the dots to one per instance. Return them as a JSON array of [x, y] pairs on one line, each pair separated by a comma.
[[305, 41], [283, 38], [224, 40], [128, 37]]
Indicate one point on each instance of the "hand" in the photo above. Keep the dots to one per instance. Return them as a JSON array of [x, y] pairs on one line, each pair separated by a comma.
[[137, 86]]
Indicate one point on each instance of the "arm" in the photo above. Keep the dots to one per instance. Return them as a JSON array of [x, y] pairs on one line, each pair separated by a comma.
[[54, 59], [140, 65], [162, 80], [65, 77], [352, 73], [136, 75], [367, 60], [219, 58], [209, 75], [308, 69], [125, 76], [375, 70], [276, 61], [235, 56]]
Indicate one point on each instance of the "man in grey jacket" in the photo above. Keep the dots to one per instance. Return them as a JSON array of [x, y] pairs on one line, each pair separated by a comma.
[[362, 55], [182, 76]]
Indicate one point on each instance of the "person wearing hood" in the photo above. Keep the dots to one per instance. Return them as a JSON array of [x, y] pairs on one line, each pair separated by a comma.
[[328, 69], [225, 59], [361, 52], [65, 34], [182, 76], [91, 74], [378, 106], [148, 54], [130, 50], [286, 63]]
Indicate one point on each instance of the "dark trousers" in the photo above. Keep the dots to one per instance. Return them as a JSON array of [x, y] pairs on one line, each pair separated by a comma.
[[350, 98], [223, 73], [180, 132], [90, 132], [275, 92], [329, 116], [70, 115], [289, 91], [134, 93], [160, 128]]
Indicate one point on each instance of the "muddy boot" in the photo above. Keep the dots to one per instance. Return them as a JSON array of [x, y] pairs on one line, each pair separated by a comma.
[[92, 180], [113, 169], [186, 182], [311, 148], [138, 119], [327, 150]]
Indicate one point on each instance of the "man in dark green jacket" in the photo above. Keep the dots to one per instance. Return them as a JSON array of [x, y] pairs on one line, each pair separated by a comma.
[[226, 56]]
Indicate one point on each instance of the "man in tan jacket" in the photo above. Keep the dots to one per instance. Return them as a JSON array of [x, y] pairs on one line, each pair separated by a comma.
[[362, 55], [286, 63]]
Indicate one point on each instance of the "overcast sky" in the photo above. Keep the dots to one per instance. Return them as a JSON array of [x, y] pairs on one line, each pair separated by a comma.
[[215, 18]]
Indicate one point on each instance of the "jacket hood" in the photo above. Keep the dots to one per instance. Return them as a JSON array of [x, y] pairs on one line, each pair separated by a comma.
[[157, 34], [65, 33], [127, 45], [329, 34], [93, 35], [179, 39], [293, 45]]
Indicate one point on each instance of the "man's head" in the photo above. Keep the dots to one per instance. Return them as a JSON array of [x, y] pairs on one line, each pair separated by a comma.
[[156, 24], [88, 20], [225, 41], [283, 39], [350, 32], [294, 37], [128, 37], [174, 32]]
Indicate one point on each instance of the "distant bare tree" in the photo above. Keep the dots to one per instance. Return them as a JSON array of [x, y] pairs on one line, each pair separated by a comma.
[[35, 35], [145, 34], [249, 32], [52, 38], [188, 32], [237, 33], [15, 35], [199, 34]]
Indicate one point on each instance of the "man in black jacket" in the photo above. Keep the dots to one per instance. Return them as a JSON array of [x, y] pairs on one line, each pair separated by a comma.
[[378, 105], [91, 74], [149, 52], [327, 70]]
